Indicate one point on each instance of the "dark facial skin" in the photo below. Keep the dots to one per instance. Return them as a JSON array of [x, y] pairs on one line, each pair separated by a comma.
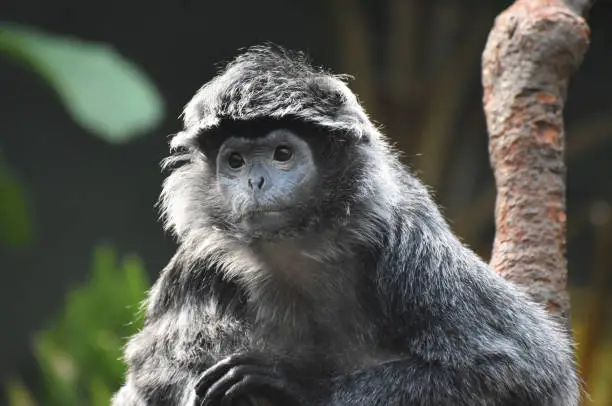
[[262, 179]]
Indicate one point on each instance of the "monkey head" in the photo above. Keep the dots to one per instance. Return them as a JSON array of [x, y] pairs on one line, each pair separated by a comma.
[[271, 148]]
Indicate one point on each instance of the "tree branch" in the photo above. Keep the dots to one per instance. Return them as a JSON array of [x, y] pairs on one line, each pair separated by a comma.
[[588, 135], [533, 48], [356, 50], [445, 96]]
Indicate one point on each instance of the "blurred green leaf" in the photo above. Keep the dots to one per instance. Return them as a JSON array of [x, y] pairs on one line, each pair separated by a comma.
[[15, 227], [59, 371], [102, 91], [99, 393], [80, 353], [18, 394]]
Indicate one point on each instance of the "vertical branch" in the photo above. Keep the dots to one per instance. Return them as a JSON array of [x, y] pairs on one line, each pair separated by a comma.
[[356, 50], [598, 312], [403, 82], [588, 135], [445, 96], [532, 50], [404, 41]]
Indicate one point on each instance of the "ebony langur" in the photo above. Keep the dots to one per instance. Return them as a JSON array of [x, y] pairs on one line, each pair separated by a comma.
[[314, 269]]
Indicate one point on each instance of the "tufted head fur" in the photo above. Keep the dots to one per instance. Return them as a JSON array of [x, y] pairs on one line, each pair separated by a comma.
[[268, 81]]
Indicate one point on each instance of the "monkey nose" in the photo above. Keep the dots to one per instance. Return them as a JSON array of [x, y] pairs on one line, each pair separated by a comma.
[[257, 181]]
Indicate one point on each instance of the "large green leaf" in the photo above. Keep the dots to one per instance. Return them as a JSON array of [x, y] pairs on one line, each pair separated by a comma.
[[102, 91]]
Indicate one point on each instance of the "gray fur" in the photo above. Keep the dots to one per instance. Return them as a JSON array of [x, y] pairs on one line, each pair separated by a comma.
[[376, 299]]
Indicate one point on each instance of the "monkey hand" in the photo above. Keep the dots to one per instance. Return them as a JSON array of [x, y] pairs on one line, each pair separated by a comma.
[[238, 379]]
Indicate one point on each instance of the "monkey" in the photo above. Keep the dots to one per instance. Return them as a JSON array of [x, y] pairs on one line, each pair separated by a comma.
[[314, 268]]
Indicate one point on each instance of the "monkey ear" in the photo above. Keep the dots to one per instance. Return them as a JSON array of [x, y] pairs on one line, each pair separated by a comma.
[[325, 94], [187, 139], [336, 107]]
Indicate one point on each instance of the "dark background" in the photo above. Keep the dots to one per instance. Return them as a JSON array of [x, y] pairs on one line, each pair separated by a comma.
[[84, 191]]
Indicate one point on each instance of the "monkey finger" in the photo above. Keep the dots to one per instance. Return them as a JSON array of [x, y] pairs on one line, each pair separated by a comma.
[[217, 390], [216, 371], [270, 387], [235, 393]]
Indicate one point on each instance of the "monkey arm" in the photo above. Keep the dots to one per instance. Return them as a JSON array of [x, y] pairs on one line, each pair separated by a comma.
[[469, 339], [417, 382], [446, 373], [186, 330], [156, 373], [167, 357], [461, 334]]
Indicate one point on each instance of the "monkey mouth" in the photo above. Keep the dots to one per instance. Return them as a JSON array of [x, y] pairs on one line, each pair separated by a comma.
[[266, 219], [265, 212]]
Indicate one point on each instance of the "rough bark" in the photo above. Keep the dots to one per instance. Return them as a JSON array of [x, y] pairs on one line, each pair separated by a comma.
[[532, 50]]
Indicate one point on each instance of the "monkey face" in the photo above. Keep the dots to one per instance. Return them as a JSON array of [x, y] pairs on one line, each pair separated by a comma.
[[262, 179], [266, 182]]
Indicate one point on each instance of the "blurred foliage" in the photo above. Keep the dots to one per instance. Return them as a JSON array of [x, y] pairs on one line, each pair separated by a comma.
[[80, 353], [15, 227], [102, 91], [599, 369]]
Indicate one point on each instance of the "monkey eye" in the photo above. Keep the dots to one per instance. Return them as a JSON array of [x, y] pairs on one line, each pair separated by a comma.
[[235, 160], [282, 154]]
